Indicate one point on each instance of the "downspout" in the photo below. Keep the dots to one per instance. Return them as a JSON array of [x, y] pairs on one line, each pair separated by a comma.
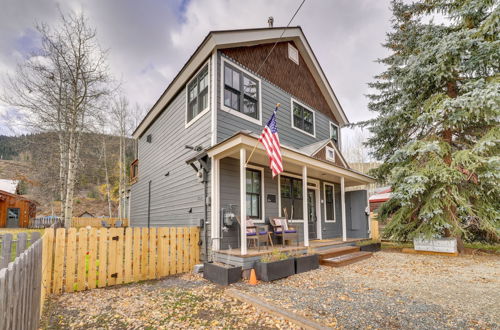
[[149, 203], [205, 228]]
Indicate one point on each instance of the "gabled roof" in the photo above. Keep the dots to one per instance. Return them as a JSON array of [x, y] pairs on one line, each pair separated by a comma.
[[237, 38], [314, 148]]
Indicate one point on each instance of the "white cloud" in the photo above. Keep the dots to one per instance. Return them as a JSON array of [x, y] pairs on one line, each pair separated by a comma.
[[149, 41]]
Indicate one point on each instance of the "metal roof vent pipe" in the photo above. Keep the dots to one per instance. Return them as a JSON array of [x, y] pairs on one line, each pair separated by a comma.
[[270, 21]]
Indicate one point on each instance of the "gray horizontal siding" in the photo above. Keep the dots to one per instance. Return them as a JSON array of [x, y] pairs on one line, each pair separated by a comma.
[[228, 124], [230, 195], [174, 195]]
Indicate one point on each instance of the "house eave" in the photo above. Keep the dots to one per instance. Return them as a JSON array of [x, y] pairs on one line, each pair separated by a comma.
[[237, 38], [248, 140]]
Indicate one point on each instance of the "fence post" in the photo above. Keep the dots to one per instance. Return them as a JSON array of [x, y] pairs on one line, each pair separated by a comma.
[[6, 250]]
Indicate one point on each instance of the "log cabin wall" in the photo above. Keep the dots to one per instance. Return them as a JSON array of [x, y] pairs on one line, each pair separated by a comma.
[[27, 209]]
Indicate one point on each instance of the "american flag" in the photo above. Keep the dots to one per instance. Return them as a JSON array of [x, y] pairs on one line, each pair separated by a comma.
[[271, 142]]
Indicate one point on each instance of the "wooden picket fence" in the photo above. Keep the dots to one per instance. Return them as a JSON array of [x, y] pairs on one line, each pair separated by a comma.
[[75, 260], [20, 288], [96, 222], [11, 249]]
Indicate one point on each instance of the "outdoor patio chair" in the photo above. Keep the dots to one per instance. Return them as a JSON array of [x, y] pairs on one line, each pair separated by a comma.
[[256, 234], [118, 224], [105, 224], [285, 232]]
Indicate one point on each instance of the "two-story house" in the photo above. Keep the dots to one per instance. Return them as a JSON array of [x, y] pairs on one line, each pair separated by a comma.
[[194, 143]]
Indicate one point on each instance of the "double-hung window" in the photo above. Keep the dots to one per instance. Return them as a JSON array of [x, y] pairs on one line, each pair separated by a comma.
[[197, 94], [303, 118], [334, 133], [254, 193], [241, 92], [329, 202], [291, 197]]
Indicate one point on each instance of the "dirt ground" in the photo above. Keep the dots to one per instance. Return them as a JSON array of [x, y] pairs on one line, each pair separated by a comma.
[[389, 290]]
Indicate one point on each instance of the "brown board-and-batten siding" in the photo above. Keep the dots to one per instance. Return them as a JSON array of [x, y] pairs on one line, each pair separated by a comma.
[[229, 124], [176, 196]]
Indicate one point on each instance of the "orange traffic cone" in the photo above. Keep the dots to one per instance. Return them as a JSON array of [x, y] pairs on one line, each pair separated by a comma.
[[253, 277]]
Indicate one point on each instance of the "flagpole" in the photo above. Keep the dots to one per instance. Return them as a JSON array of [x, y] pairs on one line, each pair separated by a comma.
[[256, 144]]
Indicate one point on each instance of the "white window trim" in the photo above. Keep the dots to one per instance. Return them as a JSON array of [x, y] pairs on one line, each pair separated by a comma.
[[293, 49], [328, 148], [262, 197], [338, 132], [324, 204], [292, 100], [204, 111], [232, 111], [309, 180]]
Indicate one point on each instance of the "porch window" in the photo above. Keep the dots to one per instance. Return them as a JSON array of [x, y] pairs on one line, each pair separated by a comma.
[[291, 197], [254, 193], [198, 94], [330, 202], [303, 118], [240, 92]]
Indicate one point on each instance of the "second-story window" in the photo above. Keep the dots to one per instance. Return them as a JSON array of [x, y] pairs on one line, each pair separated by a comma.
[[240, 92], [334, 133], [303, 118], [197, 94]]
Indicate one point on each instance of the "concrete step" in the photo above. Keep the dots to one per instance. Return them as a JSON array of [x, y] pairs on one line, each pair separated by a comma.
[[338, 251], [346, 259]]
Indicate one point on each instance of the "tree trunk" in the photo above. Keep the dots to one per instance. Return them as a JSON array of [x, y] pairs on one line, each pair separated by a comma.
[[70, 183], [106, 175], [451, 90]]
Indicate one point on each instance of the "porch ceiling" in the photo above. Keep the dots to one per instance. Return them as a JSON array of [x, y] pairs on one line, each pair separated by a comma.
[[293, 160]]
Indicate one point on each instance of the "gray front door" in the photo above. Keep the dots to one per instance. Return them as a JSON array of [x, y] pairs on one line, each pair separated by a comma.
[[356, 217], [13, 218], [311, 213]]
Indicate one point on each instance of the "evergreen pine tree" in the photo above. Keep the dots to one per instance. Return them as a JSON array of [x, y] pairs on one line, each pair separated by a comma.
[[437, 130]]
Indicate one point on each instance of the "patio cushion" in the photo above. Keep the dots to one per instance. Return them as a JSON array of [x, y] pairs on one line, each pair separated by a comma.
[[286, 231], [250, 224], [260, 233], [284, 224]]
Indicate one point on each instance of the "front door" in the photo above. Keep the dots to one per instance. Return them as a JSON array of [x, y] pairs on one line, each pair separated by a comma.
[[13, 218], [311, 213]]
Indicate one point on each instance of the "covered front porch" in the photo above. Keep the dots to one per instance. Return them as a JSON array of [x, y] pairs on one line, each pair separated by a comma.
[[311, 194]]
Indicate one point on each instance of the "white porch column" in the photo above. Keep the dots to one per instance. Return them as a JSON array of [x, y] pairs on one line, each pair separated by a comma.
[[215, 208], [243, 201], [342, 204], [304, 205]]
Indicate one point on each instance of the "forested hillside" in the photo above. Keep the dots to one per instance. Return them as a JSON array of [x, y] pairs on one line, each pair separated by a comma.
[[34, 160]]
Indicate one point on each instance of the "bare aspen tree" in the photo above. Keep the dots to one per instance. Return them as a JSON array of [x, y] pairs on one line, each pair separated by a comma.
[[120, 114], [108, 189], [60, 89]]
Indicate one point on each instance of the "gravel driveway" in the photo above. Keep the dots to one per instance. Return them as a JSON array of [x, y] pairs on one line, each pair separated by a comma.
[[389, 290], [395, 290]]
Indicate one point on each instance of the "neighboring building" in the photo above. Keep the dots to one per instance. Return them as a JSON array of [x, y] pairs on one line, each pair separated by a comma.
[[10, 186], [86, 215], [380, 197], [193, 144], [15, 210]]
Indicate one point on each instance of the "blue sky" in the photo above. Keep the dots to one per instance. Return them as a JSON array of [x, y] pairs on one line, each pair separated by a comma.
[[150, 40]]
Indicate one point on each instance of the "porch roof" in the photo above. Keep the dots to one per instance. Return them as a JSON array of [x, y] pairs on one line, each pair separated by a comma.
[[293, 159]]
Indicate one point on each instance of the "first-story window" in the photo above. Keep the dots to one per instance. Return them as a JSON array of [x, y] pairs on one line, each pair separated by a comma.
[[291, 197], [240, 91], [198, 94], [303, 118], [330, 202], [254, 193]]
